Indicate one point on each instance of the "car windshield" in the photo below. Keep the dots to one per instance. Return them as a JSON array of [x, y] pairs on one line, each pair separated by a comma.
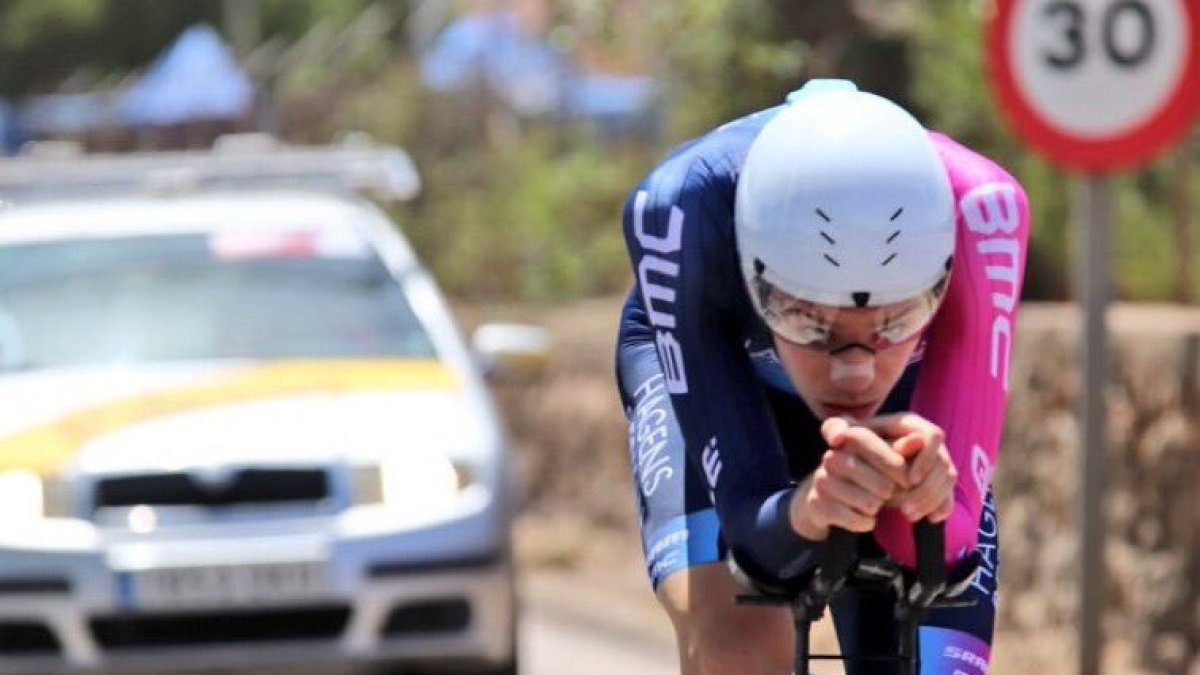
[[177, 297]]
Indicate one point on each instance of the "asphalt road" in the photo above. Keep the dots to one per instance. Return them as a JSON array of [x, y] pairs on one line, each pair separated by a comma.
[[574, 626], [555, 645]]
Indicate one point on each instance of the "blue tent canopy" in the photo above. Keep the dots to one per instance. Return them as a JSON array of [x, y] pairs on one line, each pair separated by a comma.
[[196, 79], [530, 74], [527, 72]]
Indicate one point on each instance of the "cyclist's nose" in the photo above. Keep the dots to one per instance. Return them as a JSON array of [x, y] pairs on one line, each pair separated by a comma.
[[852, 370]]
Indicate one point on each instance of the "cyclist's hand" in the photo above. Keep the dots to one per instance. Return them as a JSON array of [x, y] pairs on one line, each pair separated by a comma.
[[860, 472], [931, 474]]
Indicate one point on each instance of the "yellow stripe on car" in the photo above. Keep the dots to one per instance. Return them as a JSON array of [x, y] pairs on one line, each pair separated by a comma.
[[46, 448]]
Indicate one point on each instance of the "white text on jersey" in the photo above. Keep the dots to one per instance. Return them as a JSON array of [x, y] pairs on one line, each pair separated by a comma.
[[992, 210], [659, 297]]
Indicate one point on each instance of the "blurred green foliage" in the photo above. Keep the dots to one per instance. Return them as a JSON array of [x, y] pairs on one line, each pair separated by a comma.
[[950, 89], [538, 220], [43, 42], [515, 208]]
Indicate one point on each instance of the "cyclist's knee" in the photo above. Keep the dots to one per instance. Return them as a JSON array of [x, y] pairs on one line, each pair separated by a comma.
[[718, 636]]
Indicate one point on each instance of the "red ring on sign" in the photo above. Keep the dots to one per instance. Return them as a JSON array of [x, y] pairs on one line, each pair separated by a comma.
[[1091, 155]]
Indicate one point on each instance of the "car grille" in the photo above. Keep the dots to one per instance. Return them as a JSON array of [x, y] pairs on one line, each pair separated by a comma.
[[247, 486], [173, 630]]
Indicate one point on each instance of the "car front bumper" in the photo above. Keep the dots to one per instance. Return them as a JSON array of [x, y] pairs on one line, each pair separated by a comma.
[[434, 594]]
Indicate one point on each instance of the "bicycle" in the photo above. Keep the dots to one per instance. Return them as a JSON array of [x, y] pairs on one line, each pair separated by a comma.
[[915, 593]]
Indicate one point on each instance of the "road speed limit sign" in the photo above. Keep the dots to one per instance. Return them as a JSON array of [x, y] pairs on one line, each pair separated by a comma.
[[1097, 85]]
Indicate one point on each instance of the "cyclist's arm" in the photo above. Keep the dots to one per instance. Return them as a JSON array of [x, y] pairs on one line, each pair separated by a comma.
[[963, 383], [679, 232]]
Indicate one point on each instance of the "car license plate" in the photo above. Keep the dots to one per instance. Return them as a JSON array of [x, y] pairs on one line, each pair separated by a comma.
[[230, 585]]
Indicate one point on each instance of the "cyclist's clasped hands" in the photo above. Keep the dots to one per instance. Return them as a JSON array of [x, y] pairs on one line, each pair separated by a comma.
[[898, 461], [931, 474]]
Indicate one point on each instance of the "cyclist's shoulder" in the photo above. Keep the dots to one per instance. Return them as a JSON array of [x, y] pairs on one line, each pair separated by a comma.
[[969, 168]]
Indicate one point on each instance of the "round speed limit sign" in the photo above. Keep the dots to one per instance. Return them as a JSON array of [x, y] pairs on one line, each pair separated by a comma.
[[1097, 85]]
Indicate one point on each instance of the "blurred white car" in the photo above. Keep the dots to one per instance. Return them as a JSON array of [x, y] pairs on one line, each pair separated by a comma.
[[239, 428]]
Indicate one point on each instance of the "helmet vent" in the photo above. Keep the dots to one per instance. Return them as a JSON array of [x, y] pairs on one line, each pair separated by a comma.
[[828, 238], [897, 214], [823, 216], [832, 261], [893, 237], [861, 298], [890, 258]]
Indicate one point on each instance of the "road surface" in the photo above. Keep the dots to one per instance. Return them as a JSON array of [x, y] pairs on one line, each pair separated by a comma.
[[572, 627], [557, 645]]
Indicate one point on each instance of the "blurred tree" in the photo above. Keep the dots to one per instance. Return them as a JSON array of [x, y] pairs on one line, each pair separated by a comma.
[[724, 58], [41, 39], [42, 42], [1185, 242], [721, 59], [294, 18], [342, 57], [536, 221], [950, 88], [336, 64]]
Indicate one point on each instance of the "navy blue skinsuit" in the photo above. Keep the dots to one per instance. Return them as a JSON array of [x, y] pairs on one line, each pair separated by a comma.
[[718, 434]]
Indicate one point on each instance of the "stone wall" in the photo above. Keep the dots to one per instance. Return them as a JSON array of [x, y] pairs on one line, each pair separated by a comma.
[[1153, 481]]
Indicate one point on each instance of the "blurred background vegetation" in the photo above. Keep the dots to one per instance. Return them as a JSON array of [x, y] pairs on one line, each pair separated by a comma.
[[526, 207]]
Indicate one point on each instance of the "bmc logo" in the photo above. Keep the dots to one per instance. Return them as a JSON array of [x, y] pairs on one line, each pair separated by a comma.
[[981, 469], [992, 210], [657, 274]]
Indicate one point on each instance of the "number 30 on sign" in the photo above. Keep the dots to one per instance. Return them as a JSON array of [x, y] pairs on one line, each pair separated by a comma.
[[1097, 85]]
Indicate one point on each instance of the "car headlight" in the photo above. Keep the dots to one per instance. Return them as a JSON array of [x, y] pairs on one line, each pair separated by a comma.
[[411, 482], [26, 496], [21, 496]]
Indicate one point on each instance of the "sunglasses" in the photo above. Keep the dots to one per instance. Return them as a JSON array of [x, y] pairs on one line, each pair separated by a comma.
[[830, 328]]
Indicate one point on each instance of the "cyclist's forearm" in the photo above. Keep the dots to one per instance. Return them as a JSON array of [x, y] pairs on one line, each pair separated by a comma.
[[963, 386], [761, 536]]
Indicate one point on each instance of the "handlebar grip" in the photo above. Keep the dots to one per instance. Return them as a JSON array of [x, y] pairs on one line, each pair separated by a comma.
[[837, 556], [930, 539]]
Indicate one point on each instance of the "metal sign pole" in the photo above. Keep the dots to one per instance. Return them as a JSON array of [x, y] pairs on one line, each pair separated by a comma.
[[1095, 230], [1054, 65]]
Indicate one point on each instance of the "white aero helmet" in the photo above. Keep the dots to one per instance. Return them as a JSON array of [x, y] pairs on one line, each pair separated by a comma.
[[843, 201]]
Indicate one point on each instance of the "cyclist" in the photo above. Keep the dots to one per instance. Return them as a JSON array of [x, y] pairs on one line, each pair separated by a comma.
[[819, 336]]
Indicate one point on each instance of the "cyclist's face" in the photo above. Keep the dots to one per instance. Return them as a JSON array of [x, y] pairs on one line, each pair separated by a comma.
[[851, 379]]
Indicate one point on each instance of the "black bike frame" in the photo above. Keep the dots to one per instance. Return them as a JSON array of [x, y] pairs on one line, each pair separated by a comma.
[[916, 593]]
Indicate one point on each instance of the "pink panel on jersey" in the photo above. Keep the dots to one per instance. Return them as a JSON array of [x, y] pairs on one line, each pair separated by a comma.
[[963, 383]]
